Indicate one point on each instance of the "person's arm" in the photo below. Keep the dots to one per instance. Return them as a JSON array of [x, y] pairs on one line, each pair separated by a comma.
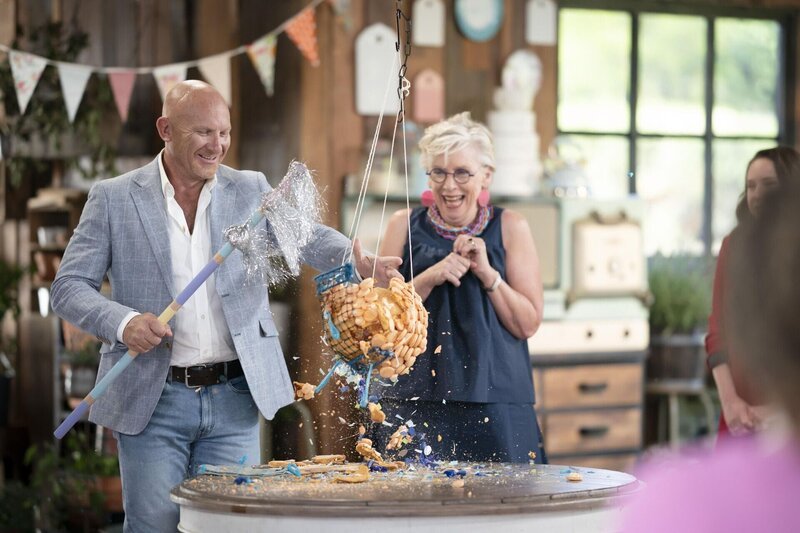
[[519, 303], [716, 345], [517, 299], [739, 415], [450, 269]]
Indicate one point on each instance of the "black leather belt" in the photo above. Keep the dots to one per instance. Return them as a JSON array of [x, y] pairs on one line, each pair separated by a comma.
[[204, 375]]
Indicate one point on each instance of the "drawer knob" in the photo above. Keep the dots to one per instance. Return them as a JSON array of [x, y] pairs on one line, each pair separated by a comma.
[[592, 388], [593, 432]]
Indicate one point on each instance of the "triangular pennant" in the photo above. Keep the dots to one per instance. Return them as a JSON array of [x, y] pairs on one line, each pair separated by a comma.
[[168, 77], [122, 86], [303, 32], [26, 70], [73, 80], [217, 71], [262, 54]]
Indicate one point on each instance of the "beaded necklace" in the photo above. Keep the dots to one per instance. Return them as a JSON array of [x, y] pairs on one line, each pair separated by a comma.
[[476, 227]]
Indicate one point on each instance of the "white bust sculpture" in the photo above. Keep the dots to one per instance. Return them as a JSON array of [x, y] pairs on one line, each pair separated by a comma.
[[521, 79]]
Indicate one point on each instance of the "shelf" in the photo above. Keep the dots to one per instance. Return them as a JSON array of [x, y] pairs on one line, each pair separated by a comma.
[[57, 200], [35, 247]]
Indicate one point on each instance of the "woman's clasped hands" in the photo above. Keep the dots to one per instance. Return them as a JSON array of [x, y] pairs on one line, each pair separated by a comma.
[[450, 269], [469, 253]]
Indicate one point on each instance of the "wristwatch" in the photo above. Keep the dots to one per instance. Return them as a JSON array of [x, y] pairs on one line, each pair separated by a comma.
[[497, 281]]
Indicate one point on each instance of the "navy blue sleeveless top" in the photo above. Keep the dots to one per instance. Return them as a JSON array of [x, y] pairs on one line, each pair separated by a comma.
[[480, 360]]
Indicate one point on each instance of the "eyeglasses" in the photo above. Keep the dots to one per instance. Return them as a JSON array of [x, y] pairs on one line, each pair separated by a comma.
[[460, 175]]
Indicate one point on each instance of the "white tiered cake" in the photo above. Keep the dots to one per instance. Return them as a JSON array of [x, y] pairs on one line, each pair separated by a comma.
[[518, 168]]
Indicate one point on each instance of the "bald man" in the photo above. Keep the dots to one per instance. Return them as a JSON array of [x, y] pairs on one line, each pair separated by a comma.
[[193, 395]]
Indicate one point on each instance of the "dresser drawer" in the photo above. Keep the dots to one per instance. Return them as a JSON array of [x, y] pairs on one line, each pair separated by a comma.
[[591, 335], [620, 463], [601, 430], [588, 386]]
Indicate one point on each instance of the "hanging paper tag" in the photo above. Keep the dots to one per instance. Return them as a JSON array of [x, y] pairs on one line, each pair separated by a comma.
[[376, 66], [428, 26], [541, 18], [428, 95]]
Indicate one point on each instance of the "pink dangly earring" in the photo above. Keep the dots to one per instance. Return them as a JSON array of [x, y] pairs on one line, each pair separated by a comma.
[[484, 197], [427, 198]]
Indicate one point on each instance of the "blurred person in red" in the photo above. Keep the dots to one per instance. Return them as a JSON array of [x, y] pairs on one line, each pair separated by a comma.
[[750, 483], [742, 406]]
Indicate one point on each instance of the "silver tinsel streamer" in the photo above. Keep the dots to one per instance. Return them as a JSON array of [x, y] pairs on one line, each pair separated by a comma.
[[292, 211], [254, 245]]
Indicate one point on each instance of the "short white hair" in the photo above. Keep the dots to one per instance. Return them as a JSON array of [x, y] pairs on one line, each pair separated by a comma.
[[454, 134]]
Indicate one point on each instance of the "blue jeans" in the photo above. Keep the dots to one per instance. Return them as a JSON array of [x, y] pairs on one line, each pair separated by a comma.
[[211, 425]]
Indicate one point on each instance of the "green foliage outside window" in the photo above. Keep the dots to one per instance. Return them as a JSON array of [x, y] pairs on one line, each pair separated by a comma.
[[595, 51]]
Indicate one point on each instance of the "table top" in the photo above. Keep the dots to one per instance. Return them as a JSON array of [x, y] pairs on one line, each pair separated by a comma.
[[446, 490]]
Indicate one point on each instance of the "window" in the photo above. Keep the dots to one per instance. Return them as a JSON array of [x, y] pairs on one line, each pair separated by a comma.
[[671, 106]]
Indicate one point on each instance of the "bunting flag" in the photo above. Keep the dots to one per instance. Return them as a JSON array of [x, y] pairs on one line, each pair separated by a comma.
[[217, 71], [262, 55], [302, 30], [122, 86], [73, 80], [26, 70], [168, 77]]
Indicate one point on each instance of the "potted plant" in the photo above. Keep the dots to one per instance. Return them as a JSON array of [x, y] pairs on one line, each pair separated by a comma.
[[76, 487], [17, 501], [681, 289]]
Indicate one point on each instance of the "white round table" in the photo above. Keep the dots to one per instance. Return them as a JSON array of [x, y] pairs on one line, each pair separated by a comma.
[[499, 497]]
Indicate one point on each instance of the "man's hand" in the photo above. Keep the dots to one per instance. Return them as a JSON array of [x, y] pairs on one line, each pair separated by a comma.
[[144, 332], [385, 268]]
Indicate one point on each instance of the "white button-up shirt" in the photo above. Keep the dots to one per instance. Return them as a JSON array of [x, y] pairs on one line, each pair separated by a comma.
[[201, 333]]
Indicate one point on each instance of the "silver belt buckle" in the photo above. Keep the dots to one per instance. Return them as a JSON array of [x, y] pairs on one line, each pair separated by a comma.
[[186, 380]]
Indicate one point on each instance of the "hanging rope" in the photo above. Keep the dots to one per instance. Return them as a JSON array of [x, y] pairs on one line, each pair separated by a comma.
[[403, 49], [403, 89], [367, 172]]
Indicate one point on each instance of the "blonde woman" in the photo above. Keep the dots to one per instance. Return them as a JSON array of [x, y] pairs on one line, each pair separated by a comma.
[[476, 267]]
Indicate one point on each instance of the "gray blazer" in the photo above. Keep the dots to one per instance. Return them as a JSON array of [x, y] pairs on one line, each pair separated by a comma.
[[123, 233]]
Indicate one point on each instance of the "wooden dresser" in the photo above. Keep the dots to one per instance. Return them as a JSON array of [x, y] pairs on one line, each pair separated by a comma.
[[588, 354], [590, 408]]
